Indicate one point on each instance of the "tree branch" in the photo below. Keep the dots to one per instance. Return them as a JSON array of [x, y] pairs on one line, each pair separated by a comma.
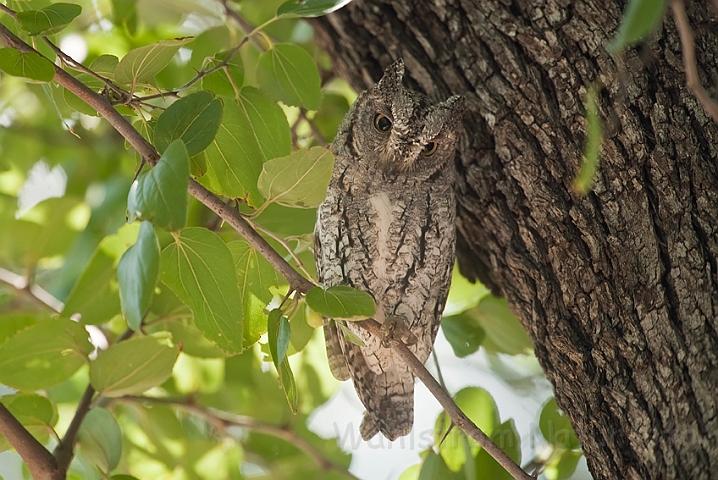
[[689, 59], [36, 292], [220, 420], [65, 449], [457, 416], [39, 461]]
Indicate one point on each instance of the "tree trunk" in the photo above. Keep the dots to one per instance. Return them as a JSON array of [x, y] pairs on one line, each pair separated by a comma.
[[618, 289]]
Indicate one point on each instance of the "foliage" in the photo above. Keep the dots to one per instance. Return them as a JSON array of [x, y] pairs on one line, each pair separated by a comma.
[[192, 330]]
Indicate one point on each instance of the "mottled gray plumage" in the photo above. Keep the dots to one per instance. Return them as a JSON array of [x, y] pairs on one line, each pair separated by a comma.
[[387, 227]]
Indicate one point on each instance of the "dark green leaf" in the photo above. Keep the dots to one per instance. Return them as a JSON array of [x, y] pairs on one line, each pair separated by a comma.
[[583, 182], [49, 20], [125, 13], [160, 194], [287, 73], [137, 275], [641, 18], [330, 115], [143, 63], [279, 335], [29, 65], [254, 129], [298, 180], [286, 378], [341, 302], [194, 119], [508, 440], [44, 354], [556, 427], [198, 267], [133, 366], [463, 333], [309, 8], [434, 468], [100, 439]]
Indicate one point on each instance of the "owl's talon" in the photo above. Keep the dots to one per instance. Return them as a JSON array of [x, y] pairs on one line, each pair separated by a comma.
[[394, 330]]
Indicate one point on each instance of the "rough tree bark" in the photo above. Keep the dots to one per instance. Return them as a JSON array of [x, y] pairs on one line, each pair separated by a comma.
[[618, 289]]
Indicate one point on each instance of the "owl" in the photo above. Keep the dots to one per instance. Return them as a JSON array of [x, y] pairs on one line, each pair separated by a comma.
[[387, 227]]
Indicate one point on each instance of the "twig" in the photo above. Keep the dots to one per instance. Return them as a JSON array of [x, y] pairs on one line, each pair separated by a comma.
[[282, 242], [222, 419], [689, 59], [317, 134], [457, 416], [64, 451], [36, 292], [39, 461]]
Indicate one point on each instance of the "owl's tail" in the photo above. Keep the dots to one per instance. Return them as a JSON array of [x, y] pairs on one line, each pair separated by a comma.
[[390, 407]]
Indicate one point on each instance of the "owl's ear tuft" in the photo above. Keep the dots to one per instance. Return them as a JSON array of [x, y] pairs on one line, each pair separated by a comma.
[[391, 81], [454, 108]]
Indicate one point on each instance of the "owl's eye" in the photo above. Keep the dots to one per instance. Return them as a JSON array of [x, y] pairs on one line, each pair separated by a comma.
[[429, 149], [382, 122]]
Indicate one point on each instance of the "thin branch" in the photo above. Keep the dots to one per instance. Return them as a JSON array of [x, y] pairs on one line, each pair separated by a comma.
[[689, 59], [220, 420], [317, 134], [457, 416], [39, 461], [283, 243], [65, 449], [36, 292]]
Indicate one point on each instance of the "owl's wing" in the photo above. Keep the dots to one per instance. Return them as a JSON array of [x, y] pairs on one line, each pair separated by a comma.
[[335, 353]]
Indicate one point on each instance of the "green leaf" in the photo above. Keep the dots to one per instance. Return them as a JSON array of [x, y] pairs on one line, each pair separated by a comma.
[[133, 366], [641, 18], [279, 335], [105, 65], [286, 378], [562, 466], [192, 341], [255, 273], [507, 439], [94, 296], [434, 468], [298, 180], [137, 274], [49, 20], [13, 322], [583, 182], [341, 302], [349, 336], [194, 119], [288, 73], [43, 355], [227, 80], [30, 409], [504, 332], [480, 407], [143, 63], [28, 64], [330, 115], [100, 439], [463, 333], [309, 8], [198, 267], [160, 194], [253, 130], [125, 13], [556, 427], [75, 102]]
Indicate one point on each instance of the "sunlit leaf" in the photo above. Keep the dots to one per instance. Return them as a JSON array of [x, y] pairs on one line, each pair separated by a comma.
[[227, 80], [254, 129], [26, 64], [44, 354], [504, 332], [254, 272], [125, 13], [507, 439], [194, 119], [641, 18], [30, 409], [287, 73], [160, 193], [105, 65], [48, 20], [137, 274], [198, 267], [298, 180], [309, 8], [100, 439], [341, 302], [143, 63], [434, 468], [133, 366], [563, 465]]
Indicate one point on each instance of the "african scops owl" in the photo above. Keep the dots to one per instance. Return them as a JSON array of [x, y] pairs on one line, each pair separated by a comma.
[[387, 227]]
